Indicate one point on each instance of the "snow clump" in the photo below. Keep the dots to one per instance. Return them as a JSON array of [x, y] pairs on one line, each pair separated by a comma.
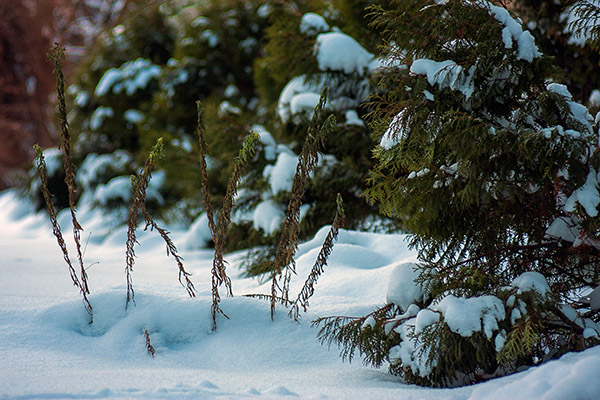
[[130, 76], [402, 289], [336, 51], [312, 24]]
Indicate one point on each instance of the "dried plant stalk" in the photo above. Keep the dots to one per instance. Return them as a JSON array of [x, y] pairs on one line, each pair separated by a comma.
[[57, 55], [219, 275], [138, 199], [148, 344], [319, 266], [184, 276], [288, 242], [43, 172], [219, 231], [201, 131]]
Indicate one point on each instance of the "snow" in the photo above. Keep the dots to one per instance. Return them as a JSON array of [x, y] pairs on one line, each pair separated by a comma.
[[267, 216], [563, 228], [98, 117], [466, 316], [131, 76], [513, 31], [82, 99], [94, 166], [336, 51], [574, 376], [281, 174], [296, 87], [118, 188], [402, 290], [586, 196], [133, 116], [531, 281], [578, 111], [312, 24], [48, 349], [352, 118], [54, 160], [396, 131], [445, 74], [304, 103], [211, 37], [424, 319], [594, 99], [267, 140], [226, 108], [198, 235]]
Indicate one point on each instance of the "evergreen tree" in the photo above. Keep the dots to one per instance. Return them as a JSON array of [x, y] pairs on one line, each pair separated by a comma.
[[308, 47], [491, 165], [550, 23]]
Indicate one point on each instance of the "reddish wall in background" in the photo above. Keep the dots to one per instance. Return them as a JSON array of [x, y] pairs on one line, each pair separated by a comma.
[[26, 82]]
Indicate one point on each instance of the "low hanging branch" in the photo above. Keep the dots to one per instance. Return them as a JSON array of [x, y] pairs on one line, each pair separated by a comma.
[[288, 242], [318, 268], [57, 55], [43, 173]]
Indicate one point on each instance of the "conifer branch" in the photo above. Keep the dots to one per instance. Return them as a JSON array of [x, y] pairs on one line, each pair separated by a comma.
[[43, 173], [288, 241], [351, 335], [57, 55], [318, 268], [138, 198]]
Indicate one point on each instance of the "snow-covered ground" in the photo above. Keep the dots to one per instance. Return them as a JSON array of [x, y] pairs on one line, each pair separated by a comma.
[[48, 349]]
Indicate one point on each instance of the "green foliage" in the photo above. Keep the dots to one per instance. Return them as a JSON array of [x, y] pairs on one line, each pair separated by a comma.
[[291, 68], [479, 153], [555, 26], [373, 341]]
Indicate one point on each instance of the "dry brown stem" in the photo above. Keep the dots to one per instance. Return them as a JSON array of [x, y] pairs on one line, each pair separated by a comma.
[[288, 242], [57, 55], [319, 266], [148, 344], [42, 172], [138, 199]]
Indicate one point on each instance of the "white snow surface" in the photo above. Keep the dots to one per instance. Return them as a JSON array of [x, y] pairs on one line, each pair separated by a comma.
[[48, 349]]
